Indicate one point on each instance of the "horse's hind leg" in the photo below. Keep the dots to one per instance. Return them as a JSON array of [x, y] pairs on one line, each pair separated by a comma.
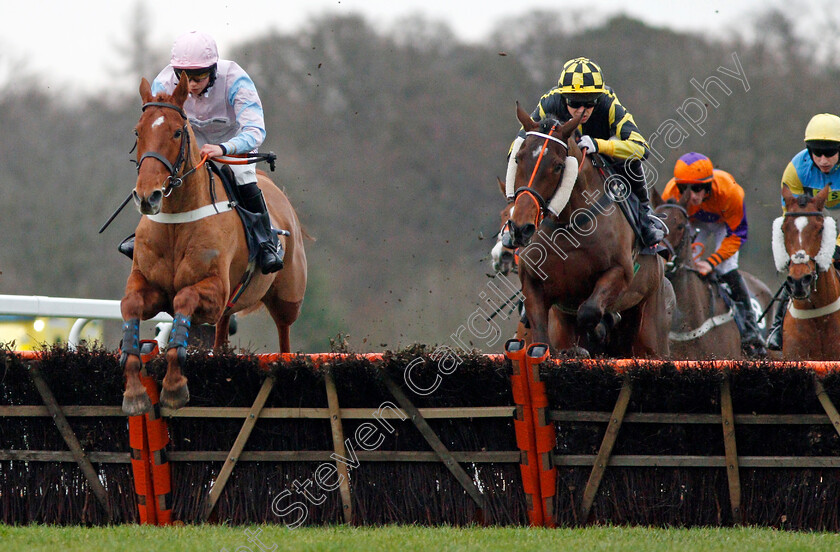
[[222, 331], [284, 313]]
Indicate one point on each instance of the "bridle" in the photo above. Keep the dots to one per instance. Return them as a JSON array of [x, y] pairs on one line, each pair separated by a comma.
[[173, 180], [676, 263], [800, 257], [541, 203]]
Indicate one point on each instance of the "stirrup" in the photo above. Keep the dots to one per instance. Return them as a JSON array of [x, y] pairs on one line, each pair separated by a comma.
[[271, 257]]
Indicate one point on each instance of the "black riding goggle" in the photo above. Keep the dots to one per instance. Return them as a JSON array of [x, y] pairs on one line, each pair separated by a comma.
[[575, 104], [696, 188], [195, 75], [823, 152]]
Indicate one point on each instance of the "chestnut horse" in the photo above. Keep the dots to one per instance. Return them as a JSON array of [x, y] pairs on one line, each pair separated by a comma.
[[609, 299], [190, 250], [703, 326], [803, 245]]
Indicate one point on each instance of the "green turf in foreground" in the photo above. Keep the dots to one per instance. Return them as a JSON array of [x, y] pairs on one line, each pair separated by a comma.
[[207, 538]]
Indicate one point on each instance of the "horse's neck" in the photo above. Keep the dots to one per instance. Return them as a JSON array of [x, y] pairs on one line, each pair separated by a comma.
[[194, 191], [587, 189], [691, 289], [825, 292]]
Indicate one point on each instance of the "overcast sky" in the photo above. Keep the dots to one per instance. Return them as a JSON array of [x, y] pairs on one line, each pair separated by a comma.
[[73, 43]]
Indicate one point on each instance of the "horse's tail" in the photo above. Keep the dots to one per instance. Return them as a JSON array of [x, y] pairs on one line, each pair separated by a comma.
[[306, 235]]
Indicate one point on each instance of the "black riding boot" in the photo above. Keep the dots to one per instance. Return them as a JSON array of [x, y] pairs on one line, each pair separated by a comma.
[[652, 228], [270, 257], [774, 337], [126, 247], [751, 341]]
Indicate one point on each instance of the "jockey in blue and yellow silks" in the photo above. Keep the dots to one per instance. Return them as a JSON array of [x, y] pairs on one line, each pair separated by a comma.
[[715, 206], [811, 170]]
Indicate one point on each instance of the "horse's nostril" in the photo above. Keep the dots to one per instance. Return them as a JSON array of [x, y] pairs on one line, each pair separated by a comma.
[[156, 197], [528, 231]]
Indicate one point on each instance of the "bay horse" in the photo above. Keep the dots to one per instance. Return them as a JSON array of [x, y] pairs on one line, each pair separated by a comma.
[[803, 245], [187, 263], [610, 300], [703, 325]]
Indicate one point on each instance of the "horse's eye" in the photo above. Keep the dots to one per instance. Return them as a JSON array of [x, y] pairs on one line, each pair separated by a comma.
[[177, 134], [681, 227], [136, 134], [559, 167]]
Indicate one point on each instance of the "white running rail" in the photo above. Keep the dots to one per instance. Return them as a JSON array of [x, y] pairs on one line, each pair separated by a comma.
[[83, 310]]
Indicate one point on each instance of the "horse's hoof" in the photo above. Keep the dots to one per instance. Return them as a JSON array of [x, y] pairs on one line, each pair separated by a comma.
[[575, 352], [136, 405], [175, 399]]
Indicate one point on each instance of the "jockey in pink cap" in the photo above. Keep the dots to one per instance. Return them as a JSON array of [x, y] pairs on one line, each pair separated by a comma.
[[226, 115]]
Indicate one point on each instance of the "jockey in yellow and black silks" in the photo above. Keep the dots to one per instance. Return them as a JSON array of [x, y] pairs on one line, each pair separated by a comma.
[[606, 127], [715, 207], [811, 170]]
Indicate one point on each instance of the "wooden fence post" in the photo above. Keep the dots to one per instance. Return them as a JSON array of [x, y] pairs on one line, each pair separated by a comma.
[[732, 471], [437, 445], [238, 446], [603, 457], [70, 438], [338, 445]]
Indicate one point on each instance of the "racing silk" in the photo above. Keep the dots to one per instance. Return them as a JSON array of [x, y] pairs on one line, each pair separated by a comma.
[[802, 176], [229, 113], [725, 206], [611, 126]]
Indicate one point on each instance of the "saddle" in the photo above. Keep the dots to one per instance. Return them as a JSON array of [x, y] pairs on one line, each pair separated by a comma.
[[629, 205], [253, 233]]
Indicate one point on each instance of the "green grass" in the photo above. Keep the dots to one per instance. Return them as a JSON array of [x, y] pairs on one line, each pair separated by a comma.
[[351, 539]]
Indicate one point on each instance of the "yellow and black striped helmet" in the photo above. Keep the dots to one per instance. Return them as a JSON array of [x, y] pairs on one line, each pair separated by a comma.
[[581, 76]]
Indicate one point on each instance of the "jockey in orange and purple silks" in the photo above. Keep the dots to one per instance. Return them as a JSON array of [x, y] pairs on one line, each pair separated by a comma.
[[715, 206]]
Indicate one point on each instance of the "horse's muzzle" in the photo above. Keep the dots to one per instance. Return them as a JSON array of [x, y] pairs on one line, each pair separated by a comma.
[[149, 205], [503, 258], [518, 237], [800, 288]]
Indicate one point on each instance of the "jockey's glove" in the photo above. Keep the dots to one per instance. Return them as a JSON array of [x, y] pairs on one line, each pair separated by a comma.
[[587, 142]]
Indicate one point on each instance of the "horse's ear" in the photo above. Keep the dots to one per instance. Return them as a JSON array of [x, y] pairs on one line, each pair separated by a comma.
[[502, 186], [145, 91], [822, 196], [179, 96], [527, 122], [787, 195], [683, 198], [655, 197], [569, 126]]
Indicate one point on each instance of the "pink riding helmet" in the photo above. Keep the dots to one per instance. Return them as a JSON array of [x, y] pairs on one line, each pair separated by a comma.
[[194, 50]]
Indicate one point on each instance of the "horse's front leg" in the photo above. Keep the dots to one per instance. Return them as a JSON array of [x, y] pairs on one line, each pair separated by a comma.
[[608, 288], [536, 310], [141, 301], [206, 298]]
